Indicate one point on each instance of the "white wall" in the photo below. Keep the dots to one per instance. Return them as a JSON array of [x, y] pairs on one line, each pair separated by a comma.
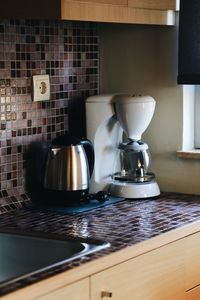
[[143, 59]]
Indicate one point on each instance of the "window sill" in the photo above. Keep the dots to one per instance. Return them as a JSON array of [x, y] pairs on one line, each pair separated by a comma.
[[194, 154]]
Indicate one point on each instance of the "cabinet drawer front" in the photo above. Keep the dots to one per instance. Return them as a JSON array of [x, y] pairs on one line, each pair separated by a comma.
[[193, 294], [192, 261], [154, 275], [75, 291]]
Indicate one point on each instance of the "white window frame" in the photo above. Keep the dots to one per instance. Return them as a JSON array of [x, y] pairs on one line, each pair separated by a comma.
[[191, 122], [188, 143], [197, 117]]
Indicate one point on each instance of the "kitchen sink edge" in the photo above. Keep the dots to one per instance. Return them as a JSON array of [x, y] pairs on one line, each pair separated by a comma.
[[25, 253]]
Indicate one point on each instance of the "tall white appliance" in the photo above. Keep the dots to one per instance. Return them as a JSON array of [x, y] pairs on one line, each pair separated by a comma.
[[115, 124]]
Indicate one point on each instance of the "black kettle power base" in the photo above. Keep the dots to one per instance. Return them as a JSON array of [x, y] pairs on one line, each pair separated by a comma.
[[75, 207], [70, 202]]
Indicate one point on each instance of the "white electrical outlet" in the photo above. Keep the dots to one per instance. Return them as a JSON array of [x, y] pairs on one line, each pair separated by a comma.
[[41, 88]]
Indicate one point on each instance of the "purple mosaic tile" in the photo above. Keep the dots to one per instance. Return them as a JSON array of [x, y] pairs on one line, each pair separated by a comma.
[[122, 225], [69, 53]]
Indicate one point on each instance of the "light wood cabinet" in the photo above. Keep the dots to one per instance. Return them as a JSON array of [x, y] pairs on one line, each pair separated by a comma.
[[76, 291], [114, 11], [192, 261], [156, 275], [117, 11], [193, 294]]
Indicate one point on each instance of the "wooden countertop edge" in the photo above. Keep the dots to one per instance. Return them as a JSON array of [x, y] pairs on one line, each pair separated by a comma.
[[67, 277]]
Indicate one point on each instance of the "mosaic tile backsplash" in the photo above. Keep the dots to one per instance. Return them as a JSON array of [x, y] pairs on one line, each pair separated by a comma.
[[69, 53]]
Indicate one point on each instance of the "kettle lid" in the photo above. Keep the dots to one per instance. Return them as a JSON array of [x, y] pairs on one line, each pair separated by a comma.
[[66, 140]]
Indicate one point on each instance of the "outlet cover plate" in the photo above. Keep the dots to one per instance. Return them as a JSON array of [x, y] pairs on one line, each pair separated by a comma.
[[41, 88]]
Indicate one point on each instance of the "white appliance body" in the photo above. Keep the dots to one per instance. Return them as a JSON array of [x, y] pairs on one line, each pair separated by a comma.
[[105, 132]]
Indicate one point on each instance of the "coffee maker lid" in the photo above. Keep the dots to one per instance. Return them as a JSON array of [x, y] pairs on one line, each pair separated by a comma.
[[131, 99]]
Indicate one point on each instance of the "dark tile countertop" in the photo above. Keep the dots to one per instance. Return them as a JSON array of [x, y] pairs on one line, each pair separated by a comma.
[[123, 224]]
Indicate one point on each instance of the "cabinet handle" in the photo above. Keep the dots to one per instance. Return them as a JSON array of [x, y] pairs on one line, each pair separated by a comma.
[[105, 294]]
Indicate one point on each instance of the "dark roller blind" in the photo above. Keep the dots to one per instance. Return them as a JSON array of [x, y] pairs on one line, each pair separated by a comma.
[[189, 42]]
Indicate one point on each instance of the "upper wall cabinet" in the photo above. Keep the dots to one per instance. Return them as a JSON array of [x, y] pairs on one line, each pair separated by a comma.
[[158, 12]]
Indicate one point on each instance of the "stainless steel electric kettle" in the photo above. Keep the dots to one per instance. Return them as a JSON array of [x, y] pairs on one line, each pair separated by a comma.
[[69, 166]]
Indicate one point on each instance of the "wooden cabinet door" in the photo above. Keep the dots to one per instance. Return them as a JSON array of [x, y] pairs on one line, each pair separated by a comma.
[[75, 291], [156, 275], [154, 4], [193, 294], [113, 11], [192, 261]]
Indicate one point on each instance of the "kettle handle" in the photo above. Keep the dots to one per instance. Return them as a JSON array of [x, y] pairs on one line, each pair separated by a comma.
[[89, 150]]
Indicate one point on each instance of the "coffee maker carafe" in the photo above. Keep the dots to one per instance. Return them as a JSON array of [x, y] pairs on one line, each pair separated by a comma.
[[115, 124], [133, 163]]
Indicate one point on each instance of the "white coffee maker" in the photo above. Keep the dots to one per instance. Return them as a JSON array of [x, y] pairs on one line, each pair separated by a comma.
[[115, 124]]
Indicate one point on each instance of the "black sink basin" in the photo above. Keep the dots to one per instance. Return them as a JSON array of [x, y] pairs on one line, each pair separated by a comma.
[[26, 253]]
